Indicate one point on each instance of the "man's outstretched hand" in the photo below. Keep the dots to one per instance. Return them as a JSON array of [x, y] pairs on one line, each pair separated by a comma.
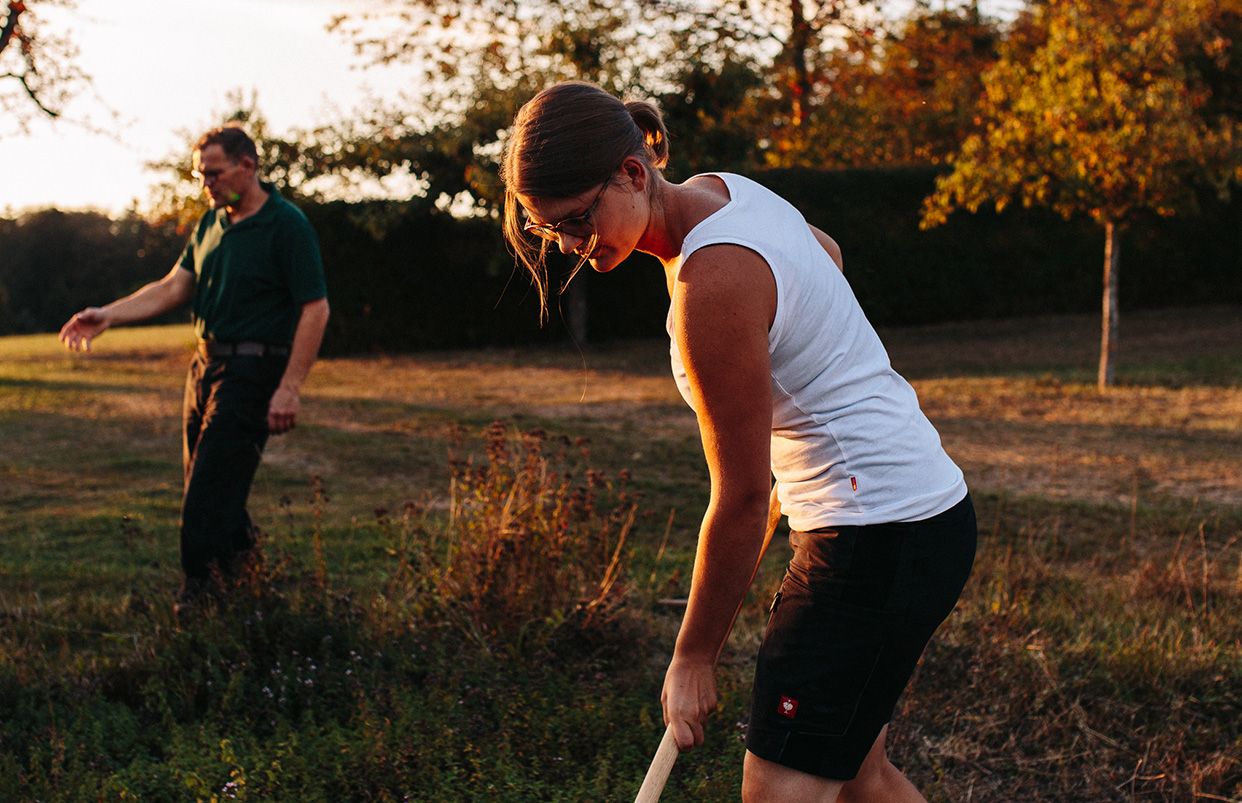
[[84, 327]]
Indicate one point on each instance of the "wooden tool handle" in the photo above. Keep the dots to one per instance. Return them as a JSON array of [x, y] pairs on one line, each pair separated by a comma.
[[661, 766]]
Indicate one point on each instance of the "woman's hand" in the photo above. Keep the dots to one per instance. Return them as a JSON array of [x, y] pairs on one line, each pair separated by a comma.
[[688, 698]]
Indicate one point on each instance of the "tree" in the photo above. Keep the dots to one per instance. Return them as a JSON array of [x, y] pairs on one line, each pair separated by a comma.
[[483, 58], [713, 116], [38, 76], [906, 94], [801, 36], [1107, 118]]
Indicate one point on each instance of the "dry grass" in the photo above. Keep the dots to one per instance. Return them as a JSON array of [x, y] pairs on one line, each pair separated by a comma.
[[1069, 442], [1013, 400], [1016, 405]]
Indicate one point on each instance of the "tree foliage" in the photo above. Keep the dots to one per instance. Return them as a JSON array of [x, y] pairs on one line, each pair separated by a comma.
[[38, 72], [744, 84], [1109, 116], [1106, 119], [480, 60], [906, 94], [735, 76]]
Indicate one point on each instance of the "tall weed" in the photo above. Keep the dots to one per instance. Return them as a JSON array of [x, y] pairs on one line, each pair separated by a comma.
[[533, 549]]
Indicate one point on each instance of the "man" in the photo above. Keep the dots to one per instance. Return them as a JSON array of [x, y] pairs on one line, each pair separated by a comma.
[[254, 277]]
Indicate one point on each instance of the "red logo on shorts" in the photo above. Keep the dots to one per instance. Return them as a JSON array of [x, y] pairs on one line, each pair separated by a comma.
[[788, 707]]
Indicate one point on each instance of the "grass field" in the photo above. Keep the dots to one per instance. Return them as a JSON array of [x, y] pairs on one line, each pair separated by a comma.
[[1096, 655]]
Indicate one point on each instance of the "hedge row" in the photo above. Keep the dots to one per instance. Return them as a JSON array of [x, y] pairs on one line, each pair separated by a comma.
[[432, 282], [1021, 262], [404, 277]]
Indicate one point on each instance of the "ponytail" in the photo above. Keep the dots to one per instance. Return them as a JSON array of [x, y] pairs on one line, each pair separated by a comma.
[[655, 136]]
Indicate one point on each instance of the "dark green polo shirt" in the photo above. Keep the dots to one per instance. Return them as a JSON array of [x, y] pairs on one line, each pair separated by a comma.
[[252, 278]]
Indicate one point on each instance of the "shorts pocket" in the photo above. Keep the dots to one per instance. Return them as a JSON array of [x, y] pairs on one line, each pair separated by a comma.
[[818, 657]]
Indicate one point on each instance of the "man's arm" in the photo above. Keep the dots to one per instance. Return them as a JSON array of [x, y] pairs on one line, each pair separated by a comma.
[[282, 414], [149, 301]]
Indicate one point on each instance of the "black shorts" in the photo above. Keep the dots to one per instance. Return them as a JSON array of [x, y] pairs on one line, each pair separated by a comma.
[[852, 616]]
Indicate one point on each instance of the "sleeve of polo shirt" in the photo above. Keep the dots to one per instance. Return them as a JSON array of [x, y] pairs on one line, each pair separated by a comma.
[[186, 260], [303, 265]]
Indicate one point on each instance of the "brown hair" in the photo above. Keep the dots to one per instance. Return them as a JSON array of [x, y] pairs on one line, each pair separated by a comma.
[[565, 140], [233, 140]]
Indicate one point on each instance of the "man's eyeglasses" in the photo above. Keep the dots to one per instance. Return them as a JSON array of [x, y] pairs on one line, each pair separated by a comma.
[[205, 177], [580, 226]]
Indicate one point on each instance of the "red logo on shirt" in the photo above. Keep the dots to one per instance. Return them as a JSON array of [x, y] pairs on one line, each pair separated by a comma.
[[788, 707]]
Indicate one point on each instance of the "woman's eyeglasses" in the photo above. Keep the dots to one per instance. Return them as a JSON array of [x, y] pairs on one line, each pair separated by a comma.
[[580, 226]]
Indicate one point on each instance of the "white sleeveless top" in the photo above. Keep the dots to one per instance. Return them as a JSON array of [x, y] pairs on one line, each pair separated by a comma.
[[850, 445]]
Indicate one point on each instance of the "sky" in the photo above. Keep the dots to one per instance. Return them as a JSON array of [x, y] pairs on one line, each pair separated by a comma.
[[168, 66]]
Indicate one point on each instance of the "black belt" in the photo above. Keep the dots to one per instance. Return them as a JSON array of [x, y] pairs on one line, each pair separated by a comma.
[[215, 349]]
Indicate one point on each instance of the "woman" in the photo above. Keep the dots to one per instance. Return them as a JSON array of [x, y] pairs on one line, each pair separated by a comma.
[[788, 379]]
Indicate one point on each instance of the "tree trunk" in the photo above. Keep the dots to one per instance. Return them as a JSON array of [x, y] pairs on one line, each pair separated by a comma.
[[1108, 334], [800, 35]]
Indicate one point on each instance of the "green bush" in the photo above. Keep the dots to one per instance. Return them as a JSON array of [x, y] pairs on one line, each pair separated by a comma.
[[434, 282]]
